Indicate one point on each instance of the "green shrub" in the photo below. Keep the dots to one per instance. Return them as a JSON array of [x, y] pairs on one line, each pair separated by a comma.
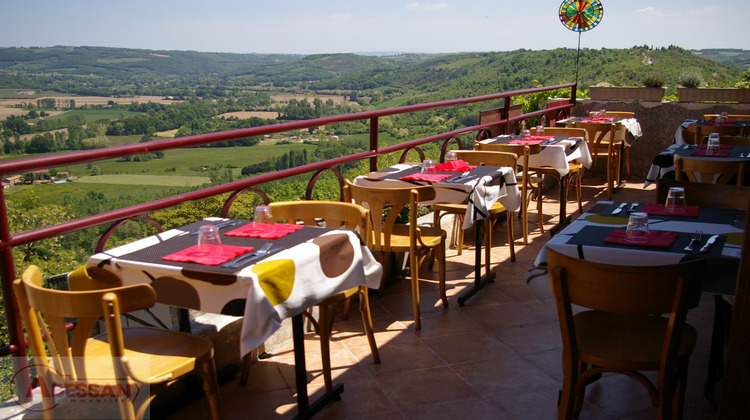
[[654, 79], [744, 81], [691, 77]]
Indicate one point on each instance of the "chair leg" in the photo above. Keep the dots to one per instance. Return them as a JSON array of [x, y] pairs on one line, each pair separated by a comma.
[[414, 263], [364, 309], [511, 235], [539, 203], [211, 388], [627, 161], [441, 273]]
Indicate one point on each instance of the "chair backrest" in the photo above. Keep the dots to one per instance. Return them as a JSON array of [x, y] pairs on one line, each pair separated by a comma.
[[46, 312], [707, 195], [491, 115], [625, 288], [730, 117], [733, 140], [385, 205], [598, 133], [563, 132], [616, 114], [487, 158], [695, 133], [710, 171], [332, 214]]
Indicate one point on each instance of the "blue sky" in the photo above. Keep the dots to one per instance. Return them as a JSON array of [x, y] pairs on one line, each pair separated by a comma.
[[335, 26]]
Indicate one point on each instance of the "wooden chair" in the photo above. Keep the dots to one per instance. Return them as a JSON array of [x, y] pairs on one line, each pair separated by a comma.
[[695, 133], [530, 182], [123, 358], [575, 175], [710, 171], [619, 332], [387, 235], [620, 134], [332, 214], [600, 148], [707, 195], [441, 210]]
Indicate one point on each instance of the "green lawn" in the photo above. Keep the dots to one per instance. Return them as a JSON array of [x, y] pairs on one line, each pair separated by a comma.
[[92, 115]]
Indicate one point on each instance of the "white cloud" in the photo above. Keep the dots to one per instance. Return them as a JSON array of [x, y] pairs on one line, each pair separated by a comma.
[[427, 6]]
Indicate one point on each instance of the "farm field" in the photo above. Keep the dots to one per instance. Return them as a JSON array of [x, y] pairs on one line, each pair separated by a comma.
[[8, 105], [160, 180]]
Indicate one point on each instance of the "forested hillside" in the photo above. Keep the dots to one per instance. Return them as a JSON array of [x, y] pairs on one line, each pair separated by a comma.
[[112, 71]]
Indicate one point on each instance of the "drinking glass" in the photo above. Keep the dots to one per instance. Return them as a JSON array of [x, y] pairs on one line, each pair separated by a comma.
[[637, 230], [263, 215], [526, 133], [712, 148], [428, 165], [539, 130], [209, 240], [451, 156], [675, 200]]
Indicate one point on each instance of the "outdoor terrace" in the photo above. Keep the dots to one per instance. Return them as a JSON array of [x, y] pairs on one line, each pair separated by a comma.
[[497, 357]]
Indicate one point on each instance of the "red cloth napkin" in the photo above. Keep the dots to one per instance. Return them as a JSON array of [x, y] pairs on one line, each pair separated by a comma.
[[720, 153], [264, 230], [655, 238], [599, 120], [425, 177], [660, 210], [721, 146], [454, 166], [194, 255], [527, 140]]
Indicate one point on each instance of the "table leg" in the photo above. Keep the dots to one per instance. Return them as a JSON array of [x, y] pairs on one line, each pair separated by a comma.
[[479, 280], [304, 409], [564, 220]]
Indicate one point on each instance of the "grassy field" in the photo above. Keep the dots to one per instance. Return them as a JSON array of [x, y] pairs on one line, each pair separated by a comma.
[[92, 115], [160, 180]]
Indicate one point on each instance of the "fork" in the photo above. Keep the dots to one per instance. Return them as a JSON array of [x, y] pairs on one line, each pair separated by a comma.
[[247, 257], [694, 240]]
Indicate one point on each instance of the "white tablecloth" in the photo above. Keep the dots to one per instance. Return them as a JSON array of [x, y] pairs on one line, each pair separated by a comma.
[[557, 156], [479, 193]]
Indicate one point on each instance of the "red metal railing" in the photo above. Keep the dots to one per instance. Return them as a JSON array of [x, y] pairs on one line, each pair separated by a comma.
[[8, 240]]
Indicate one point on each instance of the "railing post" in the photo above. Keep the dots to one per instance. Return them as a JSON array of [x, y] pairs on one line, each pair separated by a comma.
[[374, 127], [15, 330]]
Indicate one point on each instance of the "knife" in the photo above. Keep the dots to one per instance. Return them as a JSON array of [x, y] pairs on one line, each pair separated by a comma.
[[710, 241], [619, 209]]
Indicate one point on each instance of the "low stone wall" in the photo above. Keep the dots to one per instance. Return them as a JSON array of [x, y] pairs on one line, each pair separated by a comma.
[[659, 122]]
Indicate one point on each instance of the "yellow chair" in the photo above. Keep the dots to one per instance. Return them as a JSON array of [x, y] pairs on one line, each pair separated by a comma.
[[528, 179], [332, 214], [441, 210], [598, 135], [620, 133], [730, 117], [710, 171], [123, 358], [696, 133], [386, 235], [621, 330]]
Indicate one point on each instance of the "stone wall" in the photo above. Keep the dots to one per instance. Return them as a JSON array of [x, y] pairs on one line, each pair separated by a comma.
[[659, 122]]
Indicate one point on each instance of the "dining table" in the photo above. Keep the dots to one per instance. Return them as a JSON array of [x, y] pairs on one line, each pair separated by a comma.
[[479, 187], [262, 272], [599, 235], [631, 126], [556, 153], [663, 163]]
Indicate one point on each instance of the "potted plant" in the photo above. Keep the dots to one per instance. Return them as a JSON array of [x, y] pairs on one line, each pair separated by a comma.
[[652, 90], [691, 80]]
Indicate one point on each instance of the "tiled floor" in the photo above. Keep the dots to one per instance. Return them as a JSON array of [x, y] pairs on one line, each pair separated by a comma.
[[497, 357]]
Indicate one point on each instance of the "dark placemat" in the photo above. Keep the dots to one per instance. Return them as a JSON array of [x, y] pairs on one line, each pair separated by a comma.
[[595, 235], [734, 153], [154, 253]]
